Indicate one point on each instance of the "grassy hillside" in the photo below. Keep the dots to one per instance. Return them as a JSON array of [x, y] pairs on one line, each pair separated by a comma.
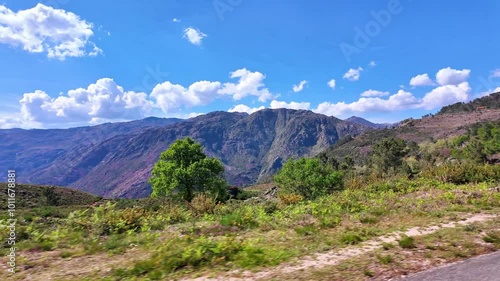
[[33, 196], [428, 129]]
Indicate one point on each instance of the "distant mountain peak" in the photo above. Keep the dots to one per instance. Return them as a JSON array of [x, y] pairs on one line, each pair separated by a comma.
[[362, 121]]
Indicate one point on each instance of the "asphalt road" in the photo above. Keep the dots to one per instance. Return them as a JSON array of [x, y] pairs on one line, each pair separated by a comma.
[[482, 268]]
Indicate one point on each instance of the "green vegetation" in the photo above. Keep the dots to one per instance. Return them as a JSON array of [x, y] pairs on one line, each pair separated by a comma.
[[189, 224], [308, 178], [490, 102], [184, 171]]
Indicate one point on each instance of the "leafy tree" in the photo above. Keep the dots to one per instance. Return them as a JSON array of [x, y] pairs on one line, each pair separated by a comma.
[[347, 164], [474, 151], [308, 178], [184, 170], [388, 154]]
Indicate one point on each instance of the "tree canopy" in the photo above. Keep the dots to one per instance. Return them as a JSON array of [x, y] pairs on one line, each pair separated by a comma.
[[183, 170]]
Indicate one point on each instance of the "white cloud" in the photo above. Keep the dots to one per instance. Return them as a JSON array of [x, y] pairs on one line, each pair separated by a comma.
[[449, 76], [300, 86], [374, 93], [400, 101], [194, 36], [291, 105], [332, 84], [245, 109], [421, 80], [495, 73], [249, 84], [100, 102], [445, 95], [353, 74], [372, 64], [43, 29], [176, 20], [173, 97]]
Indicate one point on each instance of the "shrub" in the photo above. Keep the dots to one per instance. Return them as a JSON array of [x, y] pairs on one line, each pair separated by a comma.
[[106, 219], [308, 178], [462, 173], [202, 204], [289, 199]]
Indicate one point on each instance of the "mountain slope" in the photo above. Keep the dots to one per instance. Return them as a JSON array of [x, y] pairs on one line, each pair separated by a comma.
[[362, 121], [418, 130], [251, 147], [29, 151], [491, 101]]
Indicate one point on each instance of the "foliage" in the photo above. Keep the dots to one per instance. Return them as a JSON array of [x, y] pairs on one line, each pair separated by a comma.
[[202, 204], [461, 173], [184, 170], [308, 178], [290, 198], [388, 154], [491, 101]]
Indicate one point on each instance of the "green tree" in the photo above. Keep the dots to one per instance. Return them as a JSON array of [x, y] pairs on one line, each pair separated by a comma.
[[347, 164], [474, 151], [308, 177], [183, 170], [388, 154]]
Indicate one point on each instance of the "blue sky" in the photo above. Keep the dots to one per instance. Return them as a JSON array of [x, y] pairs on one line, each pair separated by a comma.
[[69, 62]]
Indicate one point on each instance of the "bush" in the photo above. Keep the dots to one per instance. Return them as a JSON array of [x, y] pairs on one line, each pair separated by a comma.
[[289, 199], [462, 173], [202, 204], [106, 219], [308, 178]]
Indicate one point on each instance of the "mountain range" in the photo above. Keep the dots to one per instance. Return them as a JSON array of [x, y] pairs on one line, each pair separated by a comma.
[[115, 160]]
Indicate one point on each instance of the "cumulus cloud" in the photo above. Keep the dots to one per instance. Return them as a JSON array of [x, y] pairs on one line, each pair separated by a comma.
[[353, 74], [300, 86], [172, 97], [399, 101], [445, 95], [291, 105], [374, 93], [372, 64], [249, 84], [332, 84], [450, 76], [99, 102], [421, 80], [176, 20], [245, 109], [194, 36], [106, 101], [43, 29]]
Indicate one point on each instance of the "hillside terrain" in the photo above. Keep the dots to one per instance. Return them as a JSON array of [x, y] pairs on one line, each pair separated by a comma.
[[362, 121], [448, 123], [117, 161], [488, 102]]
